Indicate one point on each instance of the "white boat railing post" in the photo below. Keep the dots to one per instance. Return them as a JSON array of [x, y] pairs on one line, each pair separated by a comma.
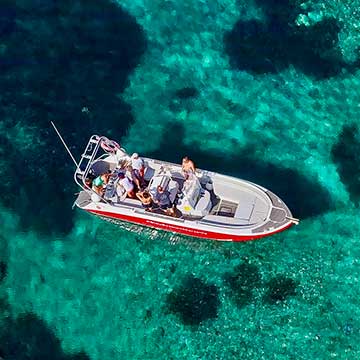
[[66, 147], [293, 220]]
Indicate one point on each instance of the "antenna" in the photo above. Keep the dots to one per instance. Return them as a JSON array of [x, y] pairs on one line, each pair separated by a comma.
[[66, 147]]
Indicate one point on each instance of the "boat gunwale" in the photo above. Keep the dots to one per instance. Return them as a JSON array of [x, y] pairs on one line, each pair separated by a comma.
[[193, 232], [259, 191]]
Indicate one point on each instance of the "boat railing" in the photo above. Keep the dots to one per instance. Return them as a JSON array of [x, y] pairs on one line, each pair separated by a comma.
[[223, 225], [86, 160]]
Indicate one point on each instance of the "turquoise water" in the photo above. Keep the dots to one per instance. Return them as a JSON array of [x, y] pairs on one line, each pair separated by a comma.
[[258, 90]]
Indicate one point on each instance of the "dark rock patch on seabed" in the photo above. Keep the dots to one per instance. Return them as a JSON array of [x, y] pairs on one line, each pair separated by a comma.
[[38, 189], [346, 155], [304, 196], [28, 338], [3, 258], [4, 311], [279, 289], [3, 270], [274, 45], [194, 302], [7, 17], [67, 61], [242, 281], [282, 10], [186, 92]]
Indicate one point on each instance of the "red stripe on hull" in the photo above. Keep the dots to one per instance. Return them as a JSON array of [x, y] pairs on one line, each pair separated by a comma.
[[184, 230]]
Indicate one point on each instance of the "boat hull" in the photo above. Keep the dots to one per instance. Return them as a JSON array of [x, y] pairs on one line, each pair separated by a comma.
[[184, 230], [208, 206]]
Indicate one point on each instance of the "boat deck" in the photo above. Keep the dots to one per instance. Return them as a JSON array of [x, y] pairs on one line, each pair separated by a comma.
[[224, 208], [234, 202]]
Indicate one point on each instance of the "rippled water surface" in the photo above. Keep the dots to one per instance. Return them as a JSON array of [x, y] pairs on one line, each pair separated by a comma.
[[258, 90]]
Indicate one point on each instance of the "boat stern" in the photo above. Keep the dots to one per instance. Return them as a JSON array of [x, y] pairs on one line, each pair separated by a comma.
[[83, 199]]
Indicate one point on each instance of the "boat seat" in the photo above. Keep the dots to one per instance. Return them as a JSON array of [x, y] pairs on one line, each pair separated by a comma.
[[245, 208], [177, 175], [160, 180], [148, 173], [131, 202], [204, 203], [173, 190], [165, 181]]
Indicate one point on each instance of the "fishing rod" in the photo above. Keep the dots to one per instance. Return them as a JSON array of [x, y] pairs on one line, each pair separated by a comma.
[[66, 147]]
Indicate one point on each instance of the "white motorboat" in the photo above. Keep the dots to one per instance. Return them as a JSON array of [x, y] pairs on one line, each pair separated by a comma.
[[208, 204]]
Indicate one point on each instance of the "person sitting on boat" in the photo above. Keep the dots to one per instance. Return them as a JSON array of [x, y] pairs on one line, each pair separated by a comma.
[[88, 182], [132, 174], [188, 167], [137, 164], [127, 184], [99, 183], [162, 199], [146, 200], [122, 158]]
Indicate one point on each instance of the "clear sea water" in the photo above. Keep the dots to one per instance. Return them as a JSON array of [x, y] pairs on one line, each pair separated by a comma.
[[264, 90]]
